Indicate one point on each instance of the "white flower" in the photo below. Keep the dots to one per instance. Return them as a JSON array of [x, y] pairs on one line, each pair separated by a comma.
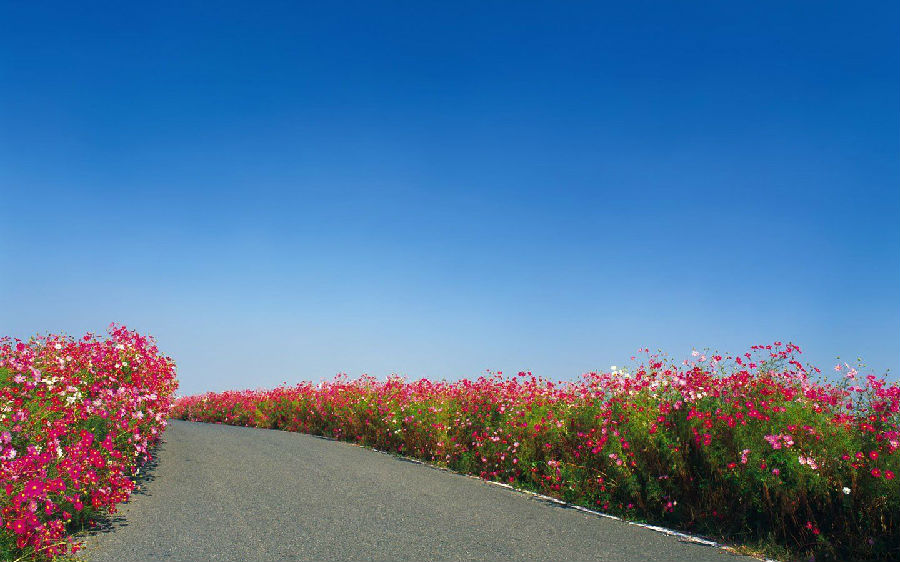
[[846, 490]]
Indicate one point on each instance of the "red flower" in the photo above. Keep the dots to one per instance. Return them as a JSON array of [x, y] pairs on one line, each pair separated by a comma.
[[18, 526]]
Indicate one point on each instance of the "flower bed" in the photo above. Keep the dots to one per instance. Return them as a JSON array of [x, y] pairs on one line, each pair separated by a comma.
[[77, 418], [748, 448]]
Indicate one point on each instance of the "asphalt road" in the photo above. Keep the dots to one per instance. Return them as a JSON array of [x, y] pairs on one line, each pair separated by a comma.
[[229, 493]]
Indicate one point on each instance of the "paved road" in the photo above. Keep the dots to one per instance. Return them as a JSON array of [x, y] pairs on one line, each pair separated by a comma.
[[229, 493]]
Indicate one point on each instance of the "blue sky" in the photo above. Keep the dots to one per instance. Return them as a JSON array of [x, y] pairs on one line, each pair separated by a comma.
[[282, 191]]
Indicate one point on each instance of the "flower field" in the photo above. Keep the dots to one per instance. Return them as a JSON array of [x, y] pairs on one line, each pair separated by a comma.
[[754, 449], [77, 418]]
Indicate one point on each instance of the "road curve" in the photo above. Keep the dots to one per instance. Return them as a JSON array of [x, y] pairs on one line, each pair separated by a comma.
[[230, 493]]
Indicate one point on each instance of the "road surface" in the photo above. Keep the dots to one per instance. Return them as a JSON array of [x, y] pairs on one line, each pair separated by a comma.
[[228, 493]]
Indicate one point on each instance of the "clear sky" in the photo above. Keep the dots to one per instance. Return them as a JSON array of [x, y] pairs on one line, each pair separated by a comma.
[[282, 191]]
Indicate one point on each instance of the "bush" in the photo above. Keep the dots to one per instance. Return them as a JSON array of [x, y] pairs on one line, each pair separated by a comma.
[[77, 418], [748, 448]]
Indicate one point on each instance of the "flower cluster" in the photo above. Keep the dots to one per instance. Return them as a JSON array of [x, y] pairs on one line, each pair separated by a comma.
[[77, 418], [751, 447]]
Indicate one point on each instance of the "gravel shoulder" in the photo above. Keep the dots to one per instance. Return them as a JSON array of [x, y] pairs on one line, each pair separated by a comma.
[[240, 494]]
